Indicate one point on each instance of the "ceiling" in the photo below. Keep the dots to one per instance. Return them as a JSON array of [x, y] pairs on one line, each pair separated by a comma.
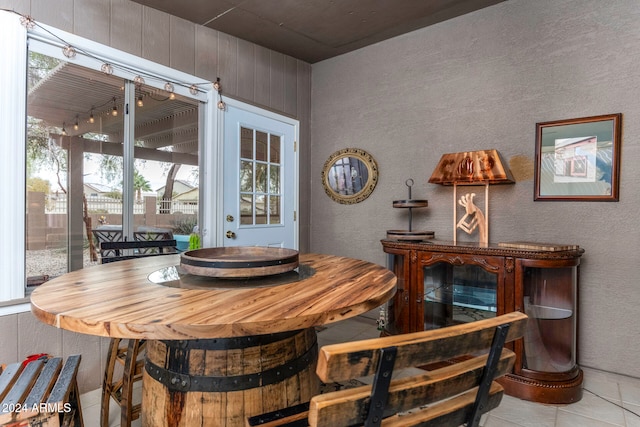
[[315, 30], [67, 96]]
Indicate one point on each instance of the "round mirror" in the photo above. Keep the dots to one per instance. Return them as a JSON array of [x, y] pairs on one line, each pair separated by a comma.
[[349, 175]]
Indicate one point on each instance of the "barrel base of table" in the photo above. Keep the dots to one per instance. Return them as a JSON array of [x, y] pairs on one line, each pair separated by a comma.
[[221, 382]]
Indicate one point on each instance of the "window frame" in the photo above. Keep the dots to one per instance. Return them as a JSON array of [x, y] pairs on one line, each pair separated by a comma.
[[13, 74]]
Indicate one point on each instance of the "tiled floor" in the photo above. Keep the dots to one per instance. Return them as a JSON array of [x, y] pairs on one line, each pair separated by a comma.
[[609, 399]]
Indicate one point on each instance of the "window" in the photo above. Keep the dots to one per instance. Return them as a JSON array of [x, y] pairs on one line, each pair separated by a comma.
[[79, 166]]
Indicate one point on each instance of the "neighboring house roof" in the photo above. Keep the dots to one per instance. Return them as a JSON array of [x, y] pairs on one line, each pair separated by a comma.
[[95, 187], [188, 195], [179, 186]]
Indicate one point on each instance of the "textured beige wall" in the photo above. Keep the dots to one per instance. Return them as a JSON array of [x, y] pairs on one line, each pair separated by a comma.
[[248, 72], [482, 81]]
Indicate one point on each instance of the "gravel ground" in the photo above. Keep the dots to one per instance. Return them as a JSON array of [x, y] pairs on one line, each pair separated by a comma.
[[51, 262]]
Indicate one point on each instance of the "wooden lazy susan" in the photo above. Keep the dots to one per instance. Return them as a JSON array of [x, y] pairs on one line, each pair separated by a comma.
[[410, 204], [239, 261]]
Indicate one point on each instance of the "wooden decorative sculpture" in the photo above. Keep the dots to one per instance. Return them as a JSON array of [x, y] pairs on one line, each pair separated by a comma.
[[473, 218], [482, 167]]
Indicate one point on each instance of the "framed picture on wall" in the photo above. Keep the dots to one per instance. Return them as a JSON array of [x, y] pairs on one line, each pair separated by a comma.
[[578, 159]]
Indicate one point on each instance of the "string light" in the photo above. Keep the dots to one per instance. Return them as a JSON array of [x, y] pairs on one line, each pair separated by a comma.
[[69, 51], [217, 86], [107, 69], [168, 87], [27, 22]]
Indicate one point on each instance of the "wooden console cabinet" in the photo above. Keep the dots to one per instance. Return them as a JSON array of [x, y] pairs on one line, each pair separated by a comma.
[[441, 284]]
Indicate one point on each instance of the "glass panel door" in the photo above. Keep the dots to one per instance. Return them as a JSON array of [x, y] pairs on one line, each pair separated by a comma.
[[260, 177], [166, 174], [549, 301], [76, 164], [74, 144], [456, 294]]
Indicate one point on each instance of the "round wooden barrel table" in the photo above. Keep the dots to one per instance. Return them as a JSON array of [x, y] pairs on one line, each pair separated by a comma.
[[219, 350]]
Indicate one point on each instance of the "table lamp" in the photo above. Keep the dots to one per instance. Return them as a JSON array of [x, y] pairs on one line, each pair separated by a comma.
[[482, 167]]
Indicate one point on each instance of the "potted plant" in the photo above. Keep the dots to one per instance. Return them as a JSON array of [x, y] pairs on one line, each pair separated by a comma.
[[182, 232]]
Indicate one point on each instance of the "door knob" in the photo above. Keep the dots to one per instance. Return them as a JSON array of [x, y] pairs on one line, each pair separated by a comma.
[[231, 235], [230, 218]]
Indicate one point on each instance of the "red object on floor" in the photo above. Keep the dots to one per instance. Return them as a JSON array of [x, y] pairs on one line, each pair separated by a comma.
[[33, 358]]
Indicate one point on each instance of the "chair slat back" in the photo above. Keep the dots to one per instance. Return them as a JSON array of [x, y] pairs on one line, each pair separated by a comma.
[[467, 344]]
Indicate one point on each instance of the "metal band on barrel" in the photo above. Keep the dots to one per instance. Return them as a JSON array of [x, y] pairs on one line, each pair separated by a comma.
[[229, 343], [238, 264], [184, 383]]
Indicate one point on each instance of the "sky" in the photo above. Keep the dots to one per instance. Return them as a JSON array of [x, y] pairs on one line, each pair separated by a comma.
[[152, 171]]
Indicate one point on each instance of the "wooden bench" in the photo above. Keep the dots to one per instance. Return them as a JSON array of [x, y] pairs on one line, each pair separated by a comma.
[[43, 392], [127, 352], [467, 359]]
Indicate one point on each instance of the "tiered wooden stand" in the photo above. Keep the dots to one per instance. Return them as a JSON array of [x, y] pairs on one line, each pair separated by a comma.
[[410, 204]]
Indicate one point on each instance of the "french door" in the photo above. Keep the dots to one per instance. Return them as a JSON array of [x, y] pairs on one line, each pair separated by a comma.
[[260, 178]]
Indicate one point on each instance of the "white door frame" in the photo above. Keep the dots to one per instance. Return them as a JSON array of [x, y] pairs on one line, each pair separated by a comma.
[[213, 164]]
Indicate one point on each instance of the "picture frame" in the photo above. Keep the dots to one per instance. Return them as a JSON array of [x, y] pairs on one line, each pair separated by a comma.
[[578, 159]]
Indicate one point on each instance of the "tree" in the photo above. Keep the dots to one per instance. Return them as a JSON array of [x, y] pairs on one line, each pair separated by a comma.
[[165, 205], [140, 184]]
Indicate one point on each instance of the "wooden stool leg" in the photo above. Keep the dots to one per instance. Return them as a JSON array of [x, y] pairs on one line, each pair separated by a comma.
[[132, 373], [107, 383], [121, 388]]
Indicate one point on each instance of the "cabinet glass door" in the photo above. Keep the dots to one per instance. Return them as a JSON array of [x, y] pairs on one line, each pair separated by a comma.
[[456, 294], [549, 301]]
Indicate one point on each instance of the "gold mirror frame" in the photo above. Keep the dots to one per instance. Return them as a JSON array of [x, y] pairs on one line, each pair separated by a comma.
[[330, 175]]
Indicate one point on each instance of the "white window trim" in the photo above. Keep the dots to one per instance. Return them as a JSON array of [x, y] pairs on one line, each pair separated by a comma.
[[13, 71]]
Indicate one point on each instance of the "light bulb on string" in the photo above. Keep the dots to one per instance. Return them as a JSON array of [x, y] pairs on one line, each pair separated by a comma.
[[76, 125], [64, 131], [114, 111], [27, 22], [91, 119], [107, 69], [69, 51], [168, 86], [140, 102]]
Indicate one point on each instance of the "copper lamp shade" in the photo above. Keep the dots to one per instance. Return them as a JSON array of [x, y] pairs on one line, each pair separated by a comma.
[[472, 168]]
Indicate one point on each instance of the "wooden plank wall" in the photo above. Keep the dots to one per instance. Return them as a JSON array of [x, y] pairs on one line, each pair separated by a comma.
[[248, 72]]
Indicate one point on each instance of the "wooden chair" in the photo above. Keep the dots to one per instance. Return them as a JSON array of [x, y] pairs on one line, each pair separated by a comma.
[[460, 387], [126, 352], [42, 392]]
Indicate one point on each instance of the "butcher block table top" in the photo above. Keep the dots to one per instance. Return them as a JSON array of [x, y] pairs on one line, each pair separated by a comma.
[[146, 299]]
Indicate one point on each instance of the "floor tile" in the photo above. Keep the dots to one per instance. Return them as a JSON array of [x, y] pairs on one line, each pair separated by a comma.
[[632, 415], [596, 408], [523, 413]]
